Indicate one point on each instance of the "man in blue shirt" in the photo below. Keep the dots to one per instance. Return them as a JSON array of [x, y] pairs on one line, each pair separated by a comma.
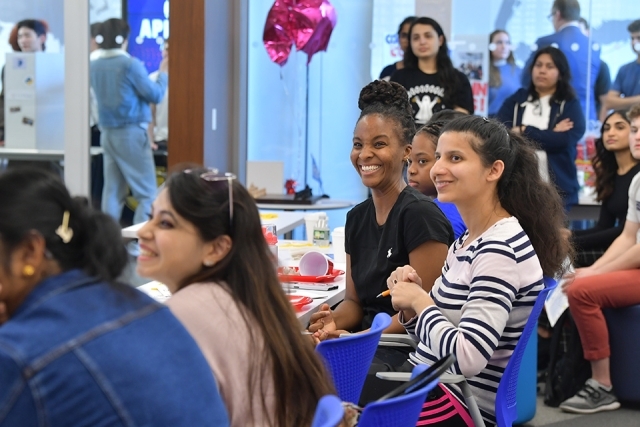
[[583, 58], [625, 91]]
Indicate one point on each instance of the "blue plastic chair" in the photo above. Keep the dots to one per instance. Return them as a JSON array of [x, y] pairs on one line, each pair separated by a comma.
[[401, 411], [329, 412], [348, 358], [506, 401]]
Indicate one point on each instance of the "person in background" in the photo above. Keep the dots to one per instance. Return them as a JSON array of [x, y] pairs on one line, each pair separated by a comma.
[[123, 92], [403, 41], [204, 241], [77, 347], [603, 81], [548, 112], [28, 35], [493, 274], [433, 84], [581, 56], [504, 74], [611, 282], [421, 160], [625, 91], [159, 125], [97, 161], [398, 225], [615, 167]]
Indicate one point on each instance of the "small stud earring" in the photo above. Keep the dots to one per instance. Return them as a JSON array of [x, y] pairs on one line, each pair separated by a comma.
[[208, 263], [28, 270]]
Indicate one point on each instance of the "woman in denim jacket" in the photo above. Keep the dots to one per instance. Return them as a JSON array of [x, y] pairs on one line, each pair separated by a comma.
[[123, 92], [77, 348]]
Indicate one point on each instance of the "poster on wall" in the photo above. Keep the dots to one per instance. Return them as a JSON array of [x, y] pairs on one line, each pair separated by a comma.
[[470, 54], [385, 46], [149, 23]]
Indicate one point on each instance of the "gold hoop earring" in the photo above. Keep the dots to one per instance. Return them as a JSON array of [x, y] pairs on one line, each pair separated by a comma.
[[28, 270]]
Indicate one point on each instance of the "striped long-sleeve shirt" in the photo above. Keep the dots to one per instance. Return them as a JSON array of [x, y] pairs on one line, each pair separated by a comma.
[[482, 301]]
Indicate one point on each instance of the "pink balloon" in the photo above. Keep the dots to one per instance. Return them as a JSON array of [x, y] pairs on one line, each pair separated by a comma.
[[277, 36], [306, 23]]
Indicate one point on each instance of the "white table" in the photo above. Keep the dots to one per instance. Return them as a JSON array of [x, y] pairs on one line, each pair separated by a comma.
[[285, 222], [322, 204], [37, 154], [159, 292]]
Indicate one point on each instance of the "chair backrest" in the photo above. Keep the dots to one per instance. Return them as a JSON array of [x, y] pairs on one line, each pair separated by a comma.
[[348, 358], [506, 409], [329, 412], [400, 411]]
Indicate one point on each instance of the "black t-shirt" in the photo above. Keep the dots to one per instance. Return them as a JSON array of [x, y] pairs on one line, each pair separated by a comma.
[[387, 71], [377, 250], [427, 94], [613, 214]]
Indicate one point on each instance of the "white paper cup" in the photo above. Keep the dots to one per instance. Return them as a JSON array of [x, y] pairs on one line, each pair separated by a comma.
[[315, 264], [337, 238], [310, 221]]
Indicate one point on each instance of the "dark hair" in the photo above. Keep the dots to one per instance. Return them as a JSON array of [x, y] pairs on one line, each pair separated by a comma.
[[405, 21], [495, 80], [604, 162], [113, 30], [569, 9], [634, 112], [634, 27], [298, 375], [390, 100], [36, 25], [564, 90], [35, 200], [521, 190], [446, 115], [95, 29], [446, 71], [584, 22]]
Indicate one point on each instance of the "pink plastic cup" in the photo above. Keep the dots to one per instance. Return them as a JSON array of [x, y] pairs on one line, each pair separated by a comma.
[[315, 264]]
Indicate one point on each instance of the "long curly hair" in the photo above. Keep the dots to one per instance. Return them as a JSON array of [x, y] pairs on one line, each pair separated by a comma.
[[604, 161]]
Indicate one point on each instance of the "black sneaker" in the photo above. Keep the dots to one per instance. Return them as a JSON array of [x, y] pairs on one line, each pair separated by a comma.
[[590, 399]]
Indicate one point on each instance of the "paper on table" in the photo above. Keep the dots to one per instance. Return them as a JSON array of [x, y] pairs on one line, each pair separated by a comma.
[[556, 303]]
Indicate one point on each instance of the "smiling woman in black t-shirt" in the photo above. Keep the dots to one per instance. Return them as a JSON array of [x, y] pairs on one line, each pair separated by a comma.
[[429, 77], [396, 225]]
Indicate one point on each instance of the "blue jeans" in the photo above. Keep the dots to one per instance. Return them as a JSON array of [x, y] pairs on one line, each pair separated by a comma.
[[128, 161]]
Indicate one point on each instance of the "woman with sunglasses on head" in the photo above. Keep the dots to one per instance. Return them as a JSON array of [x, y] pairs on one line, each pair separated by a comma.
[[77, 347], [548, 113], [428, 75], [403, 41], [204, 241], [398, 225], [478, 307], [504, 74], [615, 167]]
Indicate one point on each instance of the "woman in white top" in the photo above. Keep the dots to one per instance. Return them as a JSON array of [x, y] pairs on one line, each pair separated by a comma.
[[491, 278], [204, 241]]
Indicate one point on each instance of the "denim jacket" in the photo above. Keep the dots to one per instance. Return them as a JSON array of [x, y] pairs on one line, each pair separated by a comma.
[[78, 352], [123, 89]]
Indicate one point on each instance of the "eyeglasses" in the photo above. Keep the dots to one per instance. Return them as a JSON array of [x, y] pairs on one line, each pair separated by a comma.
[[215, 181]]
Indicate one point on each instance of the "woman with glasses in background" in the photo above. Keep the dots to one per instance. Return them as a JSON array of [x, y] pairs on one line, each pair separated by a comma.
[[504, 74], [204, 241], [548, 113]]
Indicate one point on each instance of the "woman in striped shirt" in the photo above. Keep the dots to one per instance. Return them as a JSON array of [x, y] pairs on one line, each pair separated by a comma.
[[492, 275]]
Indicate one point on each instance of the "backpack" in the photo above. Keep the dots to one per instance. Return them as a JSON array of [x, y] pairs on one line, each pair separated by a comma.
[[568, 370]]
